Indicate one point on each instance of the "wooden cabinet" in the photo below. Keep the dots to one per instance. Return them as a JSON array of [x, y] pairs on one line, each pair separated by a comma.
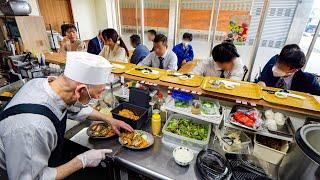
[[28, 31], [55, 12]]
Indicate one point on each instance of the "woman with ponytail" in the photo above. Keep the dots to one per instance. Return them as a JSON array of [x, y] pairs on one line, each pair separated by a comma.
[[114, 50]]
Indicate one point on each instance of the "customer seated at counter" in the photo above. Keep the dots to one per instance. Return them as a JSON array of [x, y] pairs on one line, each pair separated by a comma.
[[284, 71], [184, 50], [161, 57], [96, 44], [151, 34], [70, 41], [140, 51], [112, 50], [225, 64]]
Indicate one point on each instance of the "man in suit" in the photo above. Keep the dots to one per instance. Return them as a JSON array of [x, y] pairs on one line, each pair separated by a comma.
[[284, 71], [95, 45], [140, 51]]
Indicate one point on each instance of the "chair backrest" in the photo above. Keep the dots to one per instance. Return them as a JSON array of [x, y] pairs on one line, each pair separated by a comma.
[[245, 71]]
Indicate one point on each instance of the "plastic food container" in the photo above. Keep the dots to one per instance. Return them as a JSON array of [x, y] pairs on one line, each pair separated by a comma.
[[138, 111], [175, 139], [269, 154], [209, 106], [237, 148], [182, 99]]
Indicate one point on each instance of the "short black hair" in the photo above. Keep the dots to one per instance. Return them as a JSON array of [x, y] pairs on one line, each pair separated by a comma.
[[224, 52], [152, 31], [66, 27], [135, 39], [292, 56], [160, 38], [187, 36]]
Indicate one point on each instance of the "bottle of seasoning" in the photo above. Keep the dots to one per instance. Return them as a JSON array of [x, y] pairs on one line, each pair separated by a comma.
[[156, 124], [196, 107]]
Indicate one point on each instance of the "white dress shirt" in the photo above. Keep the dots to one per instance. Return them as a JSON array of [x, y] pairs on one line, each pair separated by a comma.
[[170, 60], [209, 67], [27, 140]]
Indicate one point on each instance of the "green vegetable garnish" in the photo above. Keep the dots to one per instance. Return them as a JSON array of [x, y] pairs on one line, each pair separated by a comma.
[[187, 128]]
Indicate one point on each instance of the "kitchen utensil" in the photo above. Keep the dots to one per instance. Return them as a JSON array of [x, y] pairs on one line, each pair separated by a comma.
[[212, 165]]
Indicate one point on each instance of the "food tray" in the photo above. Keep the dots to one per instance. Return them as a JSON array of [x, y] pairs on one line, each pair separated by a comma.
[[193, 144], [139, 111], [246, 89], [233, 122], [194, 81], [309, 103], [269, 154], [138, 73], [286, 130], [242, 148], [89, 133], [126, 67]]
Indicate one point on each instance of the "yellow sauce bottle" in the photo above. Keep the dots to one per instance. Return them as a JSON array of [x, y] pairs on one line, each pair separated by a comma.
[[156, 124]]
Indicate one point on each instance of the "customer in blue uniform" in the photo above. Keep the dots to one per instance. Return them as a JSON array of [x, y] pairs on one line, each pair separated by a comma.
[[140, 51], [96, 44], [184, 50], [284, 71]]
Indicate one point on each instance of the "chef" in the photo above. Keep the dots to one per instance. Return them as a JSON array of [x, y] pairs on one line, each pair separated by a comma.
[[33, 124]]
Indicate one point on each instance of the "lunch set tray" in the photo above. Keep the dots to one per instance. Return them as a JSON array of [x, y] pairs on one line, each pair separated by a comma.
[[310, 103], [193, 81], [121, 67], [137, 72], [245, 89]]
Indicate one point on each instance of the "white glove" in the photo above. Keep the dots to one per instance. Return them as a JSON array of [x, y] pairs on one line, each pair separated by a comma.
[[93, 157]]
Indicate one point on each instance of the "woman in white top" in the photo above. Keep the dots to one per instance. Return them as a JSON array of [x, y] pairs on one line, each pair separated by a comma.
[[112, 50]]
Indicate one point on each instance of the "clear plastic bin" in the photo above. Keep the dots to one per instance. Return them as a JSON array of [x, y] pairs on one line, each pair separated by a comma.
[[193, 144], [236, 148], [210, 110]]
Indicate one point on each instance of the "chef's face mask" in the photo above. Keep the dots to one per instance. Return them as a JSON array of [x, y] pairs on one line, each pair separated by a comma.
[[91, 101]]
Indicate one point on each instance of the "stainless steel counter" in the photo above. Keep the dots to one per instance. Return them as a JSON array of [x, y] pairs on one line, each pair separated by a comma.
[[155, 162]]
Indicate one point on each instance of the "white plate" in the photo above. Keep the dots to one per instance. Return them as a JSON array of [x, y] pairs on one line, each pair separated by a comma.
[[150, 140], [185, 152]]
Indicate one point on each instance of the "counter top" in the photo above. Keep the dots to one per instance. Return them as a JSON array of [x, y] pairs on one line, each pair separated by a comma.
[[155, 162]]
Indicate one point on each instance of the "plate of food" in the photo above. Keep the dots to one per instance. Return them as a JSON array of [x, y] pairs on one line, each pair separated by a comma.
[[136, 140], [100, 131], [245, 117]]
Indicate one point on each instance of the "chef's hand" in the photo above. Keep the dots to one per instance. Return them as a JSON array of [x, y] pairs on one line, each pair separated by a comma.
[[93, 157], [117, 124]]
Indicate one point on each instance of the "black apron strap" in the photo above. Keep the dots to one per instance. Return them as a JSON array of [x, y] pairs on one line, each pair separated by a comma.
[[60, 126]]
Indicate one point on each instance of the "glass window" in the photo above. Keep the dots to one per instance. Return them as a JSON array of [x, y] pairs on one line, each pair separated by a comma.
[[313, 65], [156, 16], [130, 20], [275, 32], [238, 21], [195, 17]]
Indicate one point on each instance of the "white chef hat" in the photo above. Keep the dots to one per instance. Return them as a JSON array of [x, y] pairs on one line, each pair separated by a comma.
[[87, 68]]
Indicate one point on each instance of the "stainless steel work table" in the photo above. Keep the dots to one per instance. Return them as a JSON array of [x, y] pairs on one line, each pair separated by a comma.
[[155, 162]]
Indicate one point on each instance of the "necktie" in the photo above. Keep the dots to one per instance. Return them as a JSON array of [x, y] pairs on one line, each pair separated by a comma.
[[161, 62], [222, 74], [281, 84]]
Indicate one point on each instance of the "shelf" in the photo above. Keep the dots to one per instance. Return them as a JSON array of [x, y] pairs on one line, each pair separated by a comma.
[[263, 132], [169, 106]]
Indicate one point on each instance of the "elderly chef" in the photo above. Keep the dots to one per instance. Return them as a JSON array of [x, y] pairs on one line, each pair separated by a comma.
[[33, 124]]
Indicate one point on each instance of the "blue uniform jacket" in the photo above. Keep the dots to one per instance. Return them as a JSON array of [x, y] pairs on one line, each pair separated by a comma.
[[183, 54], [302, 81], [140, 52], [94, 46]]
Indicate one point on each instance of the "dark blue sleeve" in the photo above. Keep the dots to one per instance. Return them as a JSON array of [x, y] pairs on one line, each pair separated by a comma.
[[134, 57], [175, 49], [91, 47], [190, 55], [315, 87]]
